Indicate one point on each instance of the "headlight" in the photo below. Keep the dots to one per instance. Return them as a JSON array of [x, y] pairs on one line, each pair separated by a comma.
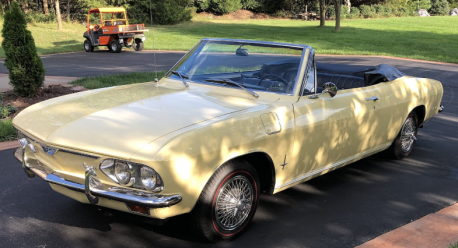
[[148, 177], [131, 174], [122, 172]]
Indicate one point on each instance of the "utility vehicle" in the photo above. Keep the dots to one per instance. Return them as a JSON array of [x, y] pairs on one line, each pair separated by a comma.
[[110, 27]]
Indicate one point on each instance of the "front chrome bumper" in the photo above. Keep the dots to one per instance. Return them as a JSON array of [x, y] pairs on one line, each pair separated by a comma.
[[93, 189]]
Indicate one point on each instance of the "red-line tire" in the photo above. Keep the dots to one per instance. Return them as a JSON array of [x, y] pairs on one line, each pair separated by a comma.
[[206, 216], [396, 150]]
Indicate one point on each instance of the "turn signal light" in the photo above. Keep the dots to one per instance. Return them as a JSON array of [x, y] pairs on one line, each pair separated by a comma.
[[138, 209]]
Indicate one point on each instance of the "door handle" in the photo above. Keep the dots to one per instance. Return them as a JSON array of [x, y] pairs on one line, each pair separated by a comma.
[[374, 98]]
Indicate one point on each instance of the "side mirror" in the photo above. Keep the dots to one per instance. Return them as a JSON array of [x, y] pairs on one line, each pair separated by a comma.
[[330, 88]]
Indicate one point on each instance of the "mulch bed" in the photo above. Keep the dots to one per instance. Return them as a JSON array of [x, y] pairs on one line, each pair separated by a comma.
[[48, 92]]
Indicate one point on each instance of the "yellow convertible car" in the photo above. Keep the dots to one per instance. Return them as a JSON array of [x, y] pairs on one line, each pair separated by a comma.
[[231, 120]]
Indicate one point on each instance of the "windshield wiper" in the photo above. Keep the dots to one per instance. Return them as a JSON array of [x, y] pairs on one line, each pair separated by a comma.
[[182, 77], [228, 81]]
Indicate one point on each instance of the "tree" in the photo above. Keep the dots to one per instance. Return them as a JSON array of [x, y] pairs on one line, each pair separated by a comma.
[[45, 7], [26, 72], [322, 13], [338, 8], [59, 16], [439, 7]]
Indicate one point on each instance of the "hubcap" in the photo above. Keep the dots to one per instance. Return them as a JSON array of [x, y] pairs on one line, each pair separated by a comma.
[[408, 134], [86, 45], [234, 203], [114, 46]]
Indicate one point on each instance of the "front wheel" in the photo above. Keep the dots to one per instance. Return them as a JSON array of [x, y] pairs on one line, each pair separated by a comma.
[[138, 45], [228, 202], [88, 47], [405, 141], [116, 47]]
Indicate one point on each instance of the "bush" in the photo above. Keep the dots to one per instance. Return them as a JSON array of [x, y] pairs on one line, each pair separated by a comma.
[[225, 6], [165, 12], [387, 11], [354, 13], [367, 11], [26, 72], [424, 4], [379, 9], [439, 7], [202, 5], [331, 11], [7, 110], [344, 12], [251, 4], [35, 17]]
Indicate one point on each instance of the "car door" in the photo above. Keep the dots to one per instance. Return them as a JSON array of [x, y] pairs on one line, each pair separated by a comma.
[[330, 131]]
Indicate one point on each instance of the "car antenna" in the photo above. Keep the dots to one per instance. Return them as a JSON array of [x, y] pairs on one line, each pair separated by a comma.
[[154, 50]]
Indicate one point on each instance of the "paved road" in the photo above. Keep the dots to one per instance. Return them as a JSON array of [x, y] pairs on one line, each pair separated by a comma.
[[104, 62], [341, 209]]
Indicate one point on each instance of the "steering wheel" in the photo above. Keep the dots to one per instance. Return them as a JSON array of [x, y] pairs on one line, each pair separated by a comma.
[[273, 75]]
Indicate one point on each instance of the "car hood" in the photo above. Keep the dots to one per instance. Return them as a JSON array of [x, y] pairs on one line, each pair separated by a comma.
[[118, 121]]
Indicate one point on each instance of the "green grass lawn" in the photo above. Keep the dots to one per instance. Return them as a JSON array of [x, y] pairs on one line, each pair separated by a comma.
[[7, 131], [116, 80], [431, 38]]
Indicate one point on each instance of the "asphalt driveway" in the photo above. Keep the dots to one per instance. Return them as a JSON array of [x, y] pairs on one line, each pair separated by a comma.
[[341, 209]]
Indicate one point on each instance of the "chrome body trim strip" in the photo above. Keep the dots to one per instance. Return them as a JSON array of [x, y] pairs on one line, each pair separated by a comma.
[[340, 163]]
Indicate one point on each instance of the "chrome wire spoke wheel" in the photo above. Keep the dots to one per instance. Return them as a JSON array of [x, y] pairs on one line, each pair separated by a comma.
[[408, 134], [234, 202]]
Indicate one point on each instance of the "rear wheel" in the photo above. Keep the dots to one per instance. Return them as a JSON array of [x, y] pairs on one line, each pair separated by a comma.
[[116, 47], [405, 141], [138, 45], [88, 47], [228, 202]]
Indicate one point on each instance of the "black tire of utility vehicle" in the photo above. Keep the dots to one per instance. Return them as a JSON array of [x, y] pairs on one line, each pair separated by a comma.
[[396, 150], [138, 46], [116, 47], [88, 47], [109, 48], [205, 218]]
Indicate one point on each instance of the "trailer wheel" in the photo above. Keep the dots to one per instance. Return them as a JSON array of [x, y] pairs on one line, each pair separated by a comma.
[[116, 47], [88, 47], [138, 46]]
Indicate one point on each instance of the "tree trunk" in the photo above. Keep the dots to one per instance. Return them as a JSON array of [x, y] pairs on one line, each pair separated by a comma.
[[348, 3], [59, 17], [45, 7], [322, 13], [338, 8], [68, 10], [25, 7]]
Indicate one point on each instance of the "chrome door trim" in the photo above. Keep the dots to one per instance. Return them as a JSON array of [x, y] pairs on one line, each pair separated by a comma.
[[340, 163]]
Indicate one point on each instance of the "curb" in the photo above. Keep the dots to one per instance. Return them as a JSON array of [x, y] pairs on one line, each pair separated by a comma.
[[9, 145], [439, 229]]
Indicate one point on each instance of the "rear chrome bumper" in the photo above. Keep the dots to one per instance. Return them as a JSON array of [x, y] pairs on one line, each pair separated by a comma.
[[92, 187], [441, 108]]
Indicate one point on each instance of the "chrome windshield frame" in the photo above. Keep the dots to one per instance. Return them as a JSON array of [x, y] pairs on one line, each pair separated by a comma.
[[305, 49]]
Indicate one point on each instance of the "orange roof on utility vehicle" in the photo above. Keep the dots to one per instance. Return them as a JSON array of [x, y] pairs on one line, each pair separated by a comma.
[[107, 10]]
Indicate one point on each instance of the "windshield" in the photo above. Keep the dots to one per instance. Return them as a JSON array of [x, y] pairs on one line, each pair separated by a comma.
[[257, 67]]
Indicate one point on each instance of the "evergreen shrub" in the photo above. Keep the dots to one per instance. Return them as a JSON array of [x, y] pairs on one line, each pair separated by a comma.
[[26, 72]]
